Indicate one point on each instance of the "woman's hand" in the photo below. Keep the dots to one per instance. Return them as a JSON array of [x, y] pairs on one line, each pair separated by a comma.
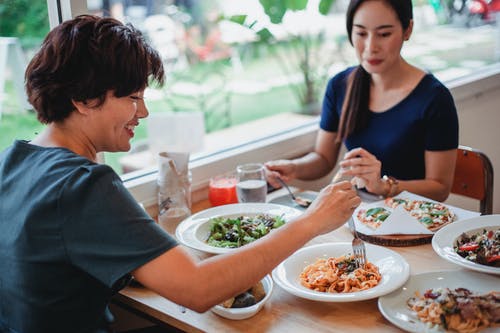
[[360, 163], [333, 206], [284, 169]]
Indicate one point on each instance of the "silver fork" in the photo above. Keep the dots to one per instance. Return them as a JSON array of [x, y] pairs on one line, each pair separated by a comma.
[[358, 246]]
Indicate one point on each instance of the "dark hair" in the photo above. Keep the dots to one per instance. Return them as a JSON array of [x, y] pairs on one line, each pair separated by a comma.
[[355, 111], [83, 59]]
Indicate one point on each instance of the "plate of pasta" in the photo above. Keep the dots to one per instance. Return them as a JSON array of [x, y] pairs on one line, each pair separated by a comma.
[[473, 243], [325, 272], [447, 301]]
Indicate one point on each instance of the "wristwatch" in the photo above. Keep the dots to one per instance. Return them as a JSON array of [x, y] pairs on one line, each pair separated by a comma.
[[393, 185]]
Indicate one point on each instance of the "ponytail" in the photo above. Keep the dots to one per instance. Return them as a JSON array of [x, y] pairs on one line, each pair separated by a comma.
[[355, 113]]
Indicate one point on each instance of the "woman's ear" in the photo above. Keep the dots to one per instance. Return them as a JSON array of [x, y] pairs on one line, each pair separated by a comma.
[[81, 107], [408, 31]]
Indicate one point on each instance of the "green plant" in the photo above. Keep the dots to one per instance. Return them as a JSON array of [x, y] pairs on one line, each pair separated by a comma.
[[27, 19], [303, 52]]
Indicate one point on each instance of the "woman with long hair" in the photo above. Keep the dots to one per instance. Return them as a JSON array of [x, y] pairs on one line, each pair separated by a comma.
[[398, 122]]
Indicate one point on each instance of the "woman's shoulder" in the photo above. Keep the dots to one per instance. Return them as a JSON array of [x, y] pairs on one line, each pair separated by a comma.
[[343, 74], [340, 79], [430, 82]]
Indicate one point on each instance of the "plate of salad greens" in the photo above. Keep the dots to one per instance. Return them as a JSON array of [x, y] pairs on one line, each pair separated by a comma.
[[222, 229]]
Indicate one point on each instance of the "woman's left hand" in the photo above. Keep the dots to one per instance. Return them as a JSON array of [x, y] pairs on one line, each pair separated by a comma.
[[360, 163]]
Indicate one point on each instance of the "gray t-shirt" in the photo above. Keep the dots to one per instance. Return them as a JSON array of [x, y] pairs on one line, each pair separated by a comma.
[[70, 234]]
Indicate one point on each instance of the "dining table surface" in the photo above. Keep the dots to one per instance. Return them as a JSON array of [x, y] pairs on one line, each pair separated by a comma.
[[283, 312]]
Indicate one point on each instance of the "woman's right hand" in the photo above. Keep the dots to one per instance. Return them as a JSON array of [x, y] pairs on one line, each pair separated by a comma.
[[333, 206], [284, 169]]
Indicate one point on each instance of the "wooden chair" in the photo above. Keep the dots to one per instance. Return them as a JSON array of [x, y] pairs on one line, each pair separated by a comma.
[[474, 177]]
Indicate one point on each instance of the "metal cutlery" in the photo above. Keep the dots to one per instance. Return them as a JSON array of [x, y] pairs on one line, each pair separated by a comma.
[[298, 200], [358, 246]]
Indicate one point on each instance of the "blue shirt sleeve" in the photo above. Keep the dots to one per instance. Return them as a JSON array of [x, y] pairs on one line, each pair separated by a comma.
[[441, 121]]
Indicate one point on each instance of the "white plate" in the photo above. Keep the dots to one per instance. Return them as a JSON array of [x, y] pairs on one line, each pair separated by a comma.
[[194, 230], [445, 238], [393, 268], [393, 306]]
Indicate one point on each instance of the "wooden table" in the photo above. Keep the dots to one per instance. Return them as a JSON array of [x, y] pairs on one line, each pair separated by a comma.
[[284, 312]]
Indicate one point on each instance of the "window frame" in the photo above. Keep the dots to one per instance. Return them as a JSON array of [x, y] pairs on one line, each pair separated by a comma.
[[287, 144]]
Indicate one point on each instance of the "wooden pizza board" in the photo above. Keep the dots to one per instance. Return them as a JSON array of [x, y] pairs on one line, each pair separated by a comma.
[[396, 240]]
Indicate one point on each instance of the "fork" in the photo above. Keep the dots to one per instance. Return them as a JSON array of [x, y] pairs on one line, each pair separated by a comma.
[[358, 246]]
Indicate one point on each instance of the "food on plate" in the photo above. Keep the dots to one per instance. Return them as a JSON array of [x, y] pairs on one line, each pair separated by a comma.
[[232, 232], [248, 298], [303, 201], [457, 310], [339, 275], [373, 217], [394, 202], [481, 247], [433, 215]]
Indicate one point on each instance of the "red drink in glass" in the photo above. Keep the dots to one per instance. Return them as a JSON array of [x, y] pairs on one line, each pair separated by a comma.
[[222, 190]]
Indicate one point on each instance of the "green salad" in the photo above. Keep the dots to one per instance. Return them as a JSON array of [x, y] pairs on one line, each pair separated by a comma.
[[234, 232]]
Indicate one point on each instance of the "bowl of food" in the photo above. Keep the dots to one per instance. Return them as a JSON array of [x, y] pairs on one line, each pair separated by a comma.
[[472, 243], [247, 304]]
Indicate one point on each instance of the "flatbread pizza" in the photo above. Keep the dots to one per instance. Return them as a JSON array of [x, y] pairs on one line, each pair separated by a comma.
[[394, 202], [433, 215], [373, 217]]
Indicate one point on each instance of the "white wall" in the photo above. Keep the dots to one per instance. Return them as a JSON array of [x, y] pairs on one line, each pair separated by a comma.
[[478, 105]]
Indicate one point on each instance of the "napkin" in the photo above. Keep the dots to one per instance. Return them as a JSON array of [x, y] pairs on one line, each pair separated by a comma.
[[400, 221], [172, 162]]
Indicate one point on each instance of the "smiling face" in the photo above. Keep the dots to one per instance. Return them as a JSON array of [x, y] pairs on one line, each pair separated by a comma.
[[378, 36], [115, 121]]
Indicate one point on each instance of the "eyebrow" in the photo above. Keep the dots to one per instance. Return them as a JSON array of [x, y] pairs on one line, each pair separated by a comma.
[[385, 26]]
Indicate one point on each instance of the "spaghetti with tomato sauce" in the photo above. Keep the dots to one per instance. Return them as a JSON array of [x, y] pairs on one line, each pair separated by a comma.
[[339, 275]]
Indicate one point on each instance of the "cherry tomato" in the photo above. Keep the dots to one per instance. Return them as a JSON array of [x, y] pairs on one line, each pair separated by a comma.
[[469, 247], [493, 258]]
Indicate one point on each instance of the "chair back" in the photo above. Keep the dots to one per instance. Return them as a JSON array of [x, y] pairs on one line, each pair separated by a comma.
[[474, 177]]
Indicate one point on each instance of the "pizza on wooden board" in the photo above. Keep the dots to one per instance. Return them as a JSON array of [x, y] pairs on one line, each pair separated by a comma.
[[432, 215], [373, 217]]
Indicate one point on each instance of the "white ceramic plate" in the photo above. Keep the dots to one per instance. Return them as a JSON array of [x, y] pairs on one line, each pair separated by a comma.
[[194, 231], [393, 306], [249, 311], [393, 268], [445, 238]]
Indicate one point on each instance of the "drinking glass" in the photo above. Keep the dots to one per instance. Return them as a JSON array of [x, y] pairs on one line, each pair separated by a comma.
[[222, 190], [252, 185]]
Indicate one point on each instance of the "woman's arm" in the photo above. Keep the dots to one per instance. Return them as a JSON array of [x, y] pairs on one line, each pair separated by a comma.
[[439, 173], [200, 285], [312, 166]]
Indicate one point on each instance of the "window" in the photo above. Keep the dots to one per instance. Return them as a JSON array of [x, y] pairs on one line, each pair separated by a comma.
[[245, 89]]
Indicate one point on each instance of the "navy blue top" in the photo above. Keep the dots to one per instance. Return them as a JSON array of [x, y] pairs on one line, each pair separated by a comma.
[[70, 234], [425, 120]]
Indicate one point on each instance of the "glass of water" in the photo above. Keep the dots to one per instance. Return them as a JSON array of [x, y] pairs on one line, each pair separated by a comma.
[[252, 185]]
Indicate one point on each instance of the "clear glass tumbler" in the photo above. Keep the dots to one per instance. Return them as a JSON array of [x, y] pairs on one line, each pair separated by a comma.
[[252, 185]]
